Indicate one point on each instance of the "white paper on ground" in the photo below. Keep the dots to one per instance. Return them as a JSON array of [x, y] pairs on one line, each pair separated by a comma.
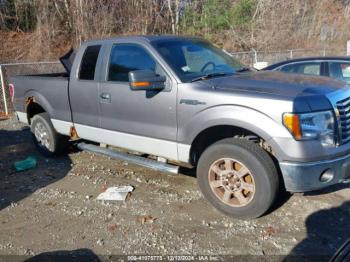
[[115, 193]]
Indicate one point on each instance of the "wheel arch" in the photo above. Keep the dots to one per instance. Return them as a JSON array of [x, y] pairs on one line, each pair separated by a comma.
[[213, 134], [36, 103]]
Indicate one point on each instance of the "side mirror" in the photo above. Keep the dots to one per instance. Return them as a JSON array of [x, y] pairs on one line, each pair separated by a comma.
[[146, 80]]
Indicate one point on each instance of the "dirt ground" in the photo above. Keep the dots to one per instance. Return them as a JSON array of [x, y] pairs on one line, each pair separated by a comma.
[[53, 207]]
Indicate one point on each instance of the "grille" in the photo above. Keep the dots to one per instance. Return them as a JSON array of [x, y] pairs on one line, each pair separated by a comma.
[[343, 107]]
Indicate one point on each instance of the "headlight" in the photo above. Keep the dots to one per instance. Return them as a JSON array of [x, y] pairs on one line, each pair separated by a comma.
[[311, 126]]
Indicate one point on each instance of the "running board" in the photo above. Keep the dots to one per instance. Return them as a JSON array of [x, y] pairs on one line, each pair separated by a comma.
[[138, 160]]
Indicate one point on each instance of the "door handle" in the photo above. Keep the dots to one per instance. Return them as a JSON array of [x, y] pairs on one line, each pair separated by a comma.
[[105, 96]]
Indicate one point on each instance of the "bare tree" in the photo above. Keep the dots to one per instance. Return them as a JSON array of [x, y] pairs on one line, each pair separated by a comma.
[[46, 28]]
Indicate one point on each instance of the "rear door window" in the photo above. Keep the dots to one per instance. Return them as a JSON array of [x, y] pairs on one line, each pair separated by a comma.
[[340, 70], [88, 62], [309, 68]]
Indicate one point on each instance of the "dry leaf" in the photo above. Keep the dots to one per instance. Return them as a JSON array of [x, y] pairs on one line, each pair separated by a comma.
[[50, 204], [113, 227], [269, 231]]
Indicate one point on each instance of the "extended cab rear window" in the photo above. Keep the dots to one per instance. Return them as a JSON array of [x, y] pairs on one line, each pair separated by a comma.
[[88, 63]]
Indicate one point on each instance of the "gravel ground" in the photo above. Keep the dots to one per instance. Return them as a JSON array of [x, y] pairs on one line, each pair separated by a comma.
[[53, 207]]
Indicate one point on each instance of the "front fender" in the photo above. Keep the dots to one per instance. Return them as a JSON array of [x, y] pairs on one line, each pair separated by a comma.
[[243, 117]]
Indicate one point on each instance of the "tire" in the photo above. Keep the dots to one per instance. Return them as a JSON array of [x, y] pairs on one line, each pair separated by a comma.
[[46, 139], [236, 191]]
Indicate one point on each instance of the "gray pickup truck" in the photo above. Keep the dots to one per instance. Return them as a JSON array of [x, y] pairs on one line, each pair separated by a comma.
[[180, 101]]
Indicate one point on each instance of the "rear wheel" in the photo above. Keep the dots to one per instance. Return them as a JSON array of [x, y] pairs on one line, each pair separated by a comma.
[[45, 137], [238, 177]]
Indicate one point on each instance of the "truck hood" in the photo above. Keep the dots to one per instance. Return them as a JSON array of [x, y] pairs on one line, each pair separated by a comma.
[[308, 93], [277, 83]]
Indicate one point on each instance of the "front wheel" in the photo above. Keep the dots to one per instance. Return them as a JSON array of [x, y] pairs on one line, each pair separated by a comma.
[[238, 178]]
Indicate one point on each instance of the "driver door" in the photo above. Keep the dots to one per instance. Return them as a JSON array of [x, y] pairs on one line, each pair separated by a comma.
[[144, 121]]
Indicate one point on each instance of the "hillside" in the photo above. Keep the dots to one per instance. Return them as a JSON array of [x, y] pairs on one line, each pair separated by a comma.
[[40, 29]]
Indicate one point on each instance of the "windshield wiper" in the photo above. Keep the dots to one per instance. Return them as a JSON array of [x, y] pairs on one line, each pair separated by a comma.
[[243, 69], [209, 76]]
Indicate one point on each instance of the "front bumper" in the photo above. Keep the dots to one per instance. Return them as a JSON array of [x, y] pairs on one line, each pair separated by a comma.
[[302, 177]]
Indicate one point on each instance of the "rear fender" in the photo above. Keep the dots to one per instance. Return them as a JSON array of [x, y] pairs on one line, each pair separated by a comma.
[[33, 96]]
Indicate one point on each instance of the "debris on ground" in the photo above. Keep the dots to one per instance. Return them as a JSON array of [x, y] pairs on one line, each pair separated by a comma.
[[29, 163], [147, 219], [56, 205], [100, 242], [50, 204], [269, 232], [118, 193]]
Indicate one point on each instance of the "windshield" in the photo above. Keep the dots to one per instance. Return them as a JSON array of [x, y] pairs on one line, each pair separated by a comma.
[[192, 59]]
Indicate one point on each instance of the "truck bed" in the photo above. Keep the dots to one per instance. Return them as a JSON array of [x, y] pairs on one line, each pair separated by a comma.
[[50, 89], [62, 74]]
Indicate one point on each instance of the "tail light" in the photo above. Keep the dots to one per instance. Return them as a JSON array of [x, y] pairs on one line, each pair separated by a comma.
[[12, 91]]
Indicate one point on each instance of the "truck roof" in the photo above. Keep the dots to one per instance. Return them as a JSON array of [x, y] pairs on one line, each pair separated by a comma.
[[148, 38]]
